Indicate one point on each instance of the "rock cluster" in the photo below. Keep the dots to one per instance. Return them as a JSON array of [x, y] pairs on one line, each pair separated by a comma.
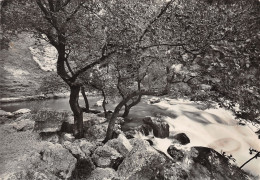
[[160, 127], [120, 158]]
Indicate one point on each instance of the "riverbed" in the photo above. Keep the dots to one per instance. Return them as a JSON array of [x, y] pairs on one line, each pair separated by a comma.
[[216, 128]]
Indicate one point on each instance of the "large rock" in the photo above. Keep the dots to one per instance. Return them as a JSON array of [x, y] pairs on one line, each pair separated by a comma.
[[97, 132], [23, 125], [160, 127], [67, 137], [82, 150], [4, 113], [199, 163], [143, 162], [68, 125], [209, 164], [176, 154], [74, 149], [182, 138], [28, 175], [154, 100], [121, 144], [50, 137], [22, 111], [103, 174], [90, 119], [58, 160], [105, 156], [144, 129], [49, 120]]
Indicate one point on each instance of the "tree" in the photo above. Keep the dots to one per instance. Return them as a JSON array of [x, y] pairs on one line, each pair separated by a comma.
[[184, 33], [73, 28], [139, 41]]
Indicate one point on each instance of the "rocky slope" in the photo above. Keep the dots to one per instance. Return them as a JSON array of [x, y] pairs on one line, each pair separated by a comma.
[[23, 66]]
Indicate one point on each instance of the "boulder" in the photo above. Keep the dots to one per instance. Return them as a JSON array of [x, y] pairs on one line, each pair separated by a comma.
[[105, 156], [7, 114], [81, 149], [86, 147], [90, 120], [97, 132], [143, 161], [103, 174], [121, 144], [67, 125], [200, 163], [74, 149], [176, 154], [67, 137], [182, 138], [47, 120], [160, 127], [173, 171], [23, 125], [22, 111], [50, 137], [28, 175], [144, 129], [57, 160], [209, 164], [84, 168], [154, 100], [24, 116]]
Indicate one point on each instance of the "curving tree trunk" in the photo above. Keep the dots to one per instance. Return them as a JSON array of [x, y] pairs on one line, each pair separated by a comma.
[[77, 111], [128, 107], [112, 121]]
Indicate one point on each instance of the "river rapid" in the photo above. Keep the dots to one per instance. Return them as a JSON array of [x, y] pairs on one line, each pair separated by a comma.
[[214, 128]]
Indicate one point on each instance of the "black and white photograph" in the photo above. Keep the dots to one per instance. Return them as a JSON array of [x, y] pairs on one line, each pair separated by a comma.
[[129, 89]]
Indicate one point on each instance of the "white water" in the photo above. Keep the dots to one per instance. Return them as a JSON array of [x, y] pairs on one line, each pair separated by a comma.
[[213, 128]]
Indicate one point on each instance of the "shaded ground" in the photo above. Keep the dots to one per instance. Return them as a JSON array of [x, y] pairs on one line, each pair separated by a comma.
[[14, 145]]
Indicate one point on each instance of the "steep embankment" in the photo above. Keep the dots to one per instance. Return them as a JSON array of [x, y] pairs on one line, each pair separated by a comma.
[[21, 73]]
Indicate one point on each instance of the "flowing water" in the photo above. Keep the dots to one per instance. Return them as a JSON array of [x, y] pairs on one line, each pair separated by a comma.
[[214, 128]]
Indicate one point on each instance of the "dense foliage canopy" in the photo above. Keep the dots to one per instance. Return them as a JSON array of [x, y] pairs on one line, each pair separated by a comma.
[[206, 50]]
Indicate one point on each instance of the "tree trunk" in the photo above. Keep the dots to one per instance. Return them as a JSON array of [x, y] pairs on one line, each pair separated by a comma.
[[128, 107], [85, 98], [112, 121], [77, 111], [126, 112], [104, 102]]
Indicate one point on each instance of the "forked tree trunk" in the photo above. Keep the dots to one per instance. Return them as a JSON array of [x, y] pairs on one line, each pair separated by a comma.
[[77, 111]]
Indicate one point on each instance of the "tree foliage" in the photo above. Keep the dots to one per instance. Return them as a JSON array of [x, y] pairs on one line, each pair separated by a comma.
[[203, 49]]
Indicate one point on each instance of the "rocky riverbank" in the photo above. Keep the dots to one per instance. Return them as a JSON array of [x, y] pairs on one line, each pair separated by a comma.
[[41, 146], [33, 98]]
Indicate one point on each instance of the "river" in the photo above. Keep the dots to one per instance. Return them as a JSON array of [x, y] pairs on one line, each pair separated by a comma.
[[215, 128]]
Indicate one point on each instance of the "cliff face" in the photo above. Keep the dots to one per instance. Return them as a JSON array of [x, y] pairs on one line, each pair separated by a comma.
[[24, 65]]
